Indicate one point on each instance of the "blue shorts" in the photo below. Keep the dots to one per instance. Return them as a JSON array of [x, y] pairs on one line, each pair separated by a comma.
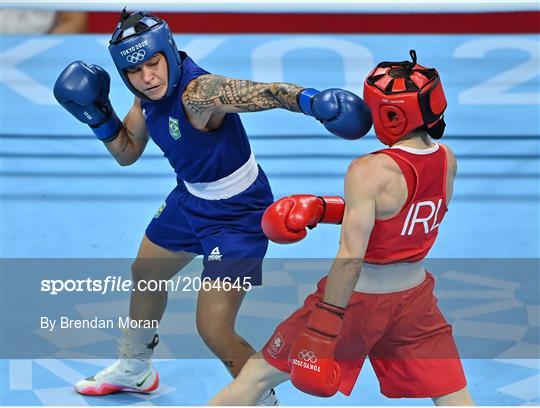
[[226, 232]]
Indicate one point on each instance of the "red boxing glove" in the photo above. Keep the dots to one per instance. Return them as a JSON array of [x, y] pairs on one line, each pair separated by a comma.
[[311, 359], [285, 221]]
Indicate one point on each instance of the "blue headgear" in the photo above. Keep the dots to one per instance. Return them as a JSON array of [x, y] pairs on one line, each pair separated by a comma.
[[137, 38]]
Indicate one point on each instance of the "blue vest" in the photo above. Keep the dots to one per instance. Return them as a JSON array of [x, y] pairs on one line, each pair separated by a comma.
[[195, 156]]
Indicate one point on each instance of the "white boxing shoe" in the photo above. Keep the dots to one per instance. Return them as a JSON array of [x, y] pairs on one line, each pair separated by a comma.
[[123, 375], [269, 399], [132, 372]]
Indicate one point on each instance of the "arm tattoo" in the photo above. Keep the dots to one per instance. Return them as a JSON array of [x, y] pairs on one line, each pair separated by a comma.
[[248, 96]]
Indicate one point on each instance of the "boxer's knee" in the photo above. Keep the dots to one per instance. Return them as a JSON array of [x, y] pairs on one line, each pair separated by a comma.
[[215, 335], [141, 270], [216, 315]]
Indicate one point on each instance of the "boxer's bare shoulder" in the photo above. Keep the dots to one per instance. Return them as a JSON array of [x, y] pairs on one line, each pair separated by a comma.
[[374, 171]]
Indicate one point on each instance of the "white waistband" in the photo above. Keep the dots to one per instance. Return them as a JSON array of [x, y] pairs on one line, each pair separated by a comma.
[[389, 278], [229, 186]]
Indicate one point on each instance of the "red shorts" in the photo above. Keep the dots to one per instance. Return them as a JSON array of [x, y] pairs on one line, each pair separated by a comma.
[[407, 339]]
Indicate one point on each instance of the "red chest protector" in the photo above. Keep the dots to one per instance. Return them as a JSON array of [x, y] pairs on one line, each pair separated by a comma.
[[409, 235]]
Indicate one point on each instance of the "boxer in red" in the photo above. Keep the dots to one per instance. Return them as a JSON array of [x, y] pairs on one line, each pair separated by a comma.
[[377, 301]]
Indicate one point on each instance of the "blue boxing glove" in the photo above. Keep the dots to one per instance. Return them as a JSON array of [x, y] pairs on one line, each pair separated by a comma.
[[341, 112], [83, 90]]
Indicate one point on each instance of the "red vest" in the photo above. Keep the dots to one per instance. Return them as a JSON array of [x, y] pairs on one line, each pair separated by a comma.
[[409, 235]]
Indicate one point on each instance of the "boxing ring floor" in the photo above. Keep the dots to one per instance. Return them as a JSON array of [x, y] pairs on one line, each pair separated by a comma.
[[63, 196]]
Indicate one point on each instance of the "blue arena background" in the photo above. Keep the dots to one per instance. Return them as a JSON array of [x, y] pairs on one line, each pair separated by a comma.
[[63, 196]]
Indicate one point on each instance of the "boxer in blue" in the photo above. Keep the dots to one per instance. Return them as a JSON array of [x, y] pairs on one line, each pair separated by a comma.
[[216, 208]]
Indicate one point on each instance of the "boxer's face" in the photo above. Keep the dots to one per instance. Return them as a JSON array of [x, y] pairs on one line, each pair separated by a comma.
[[150, 77]]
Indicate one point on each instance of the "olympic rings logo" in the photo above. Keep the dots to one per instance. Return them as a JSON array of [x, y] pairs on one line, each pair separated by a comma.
[[136, 56], [307, 356]]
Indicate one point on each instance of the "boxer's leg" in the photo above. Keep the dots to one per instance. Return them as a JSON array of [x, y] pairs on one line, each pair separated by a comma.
[[134, 371], [216, 315], [168, 246], [458, 398], [255, 378], [154, 262]]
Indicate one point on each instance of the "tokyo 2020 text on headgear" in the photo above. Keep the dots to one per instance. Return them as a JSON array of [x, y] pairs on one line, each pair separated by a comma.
[[139, 36], [404, 96]]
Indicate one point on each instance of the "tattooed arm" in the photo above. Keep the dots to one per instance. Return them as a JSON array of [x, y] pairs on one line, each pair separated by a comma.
[[132, 138], [208, 98]]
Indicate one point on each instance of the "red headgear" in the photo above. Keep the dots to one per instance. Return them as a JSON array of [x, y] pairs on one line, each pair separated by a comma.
[[404, 96]]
